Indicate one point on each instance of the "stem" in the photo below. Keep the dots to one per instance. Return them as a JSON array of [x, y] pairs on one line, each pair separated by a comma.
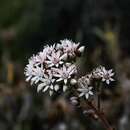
[[99, 101], [98, 95], [96, 110], [101, 116]]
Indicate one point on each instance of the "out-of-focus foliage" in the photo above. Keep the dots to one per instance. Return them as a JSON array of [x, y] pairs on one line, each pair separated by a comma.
[[26, 25]]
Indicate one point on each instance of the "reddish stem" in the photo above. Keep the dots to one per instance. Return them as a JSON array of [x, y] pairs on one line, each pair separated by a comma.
[[101, 116]]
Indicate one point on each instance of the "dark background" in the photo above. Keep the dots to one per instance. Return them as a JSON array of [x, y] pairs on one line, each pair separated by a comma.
[[27, 25]]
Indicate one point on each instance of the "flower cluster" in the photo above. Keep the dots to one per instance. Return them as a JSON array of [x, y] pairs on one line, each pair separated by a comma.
[[53, 68], [100, 73]]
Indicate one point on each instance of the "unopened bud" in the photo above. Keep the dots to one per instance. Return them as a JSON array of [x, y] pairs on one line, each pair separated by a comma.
[[56, 87], [74, 100], [73, 81], [81, 49]]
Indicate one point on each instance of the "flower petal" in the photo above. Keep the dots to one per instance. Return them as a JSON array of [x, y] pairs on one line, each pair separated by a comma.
[[45, 89]]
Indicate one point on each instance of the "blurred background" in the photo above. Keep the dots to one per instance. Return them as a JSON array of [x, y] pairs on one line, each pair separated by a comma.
[[27, 25]]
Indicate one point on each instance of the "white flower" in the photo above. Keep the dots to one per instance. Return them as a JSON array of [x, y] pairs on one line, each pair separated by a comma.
[[97, 73], [65, 73], [49, 49], [46, 82], [38, 74], [70, 47], [52, 67], [85, 91], [65, 43], [55, 59], [41, 57], [107, 75], [59, 46], [29, 69], [28, 72], [103, 74]]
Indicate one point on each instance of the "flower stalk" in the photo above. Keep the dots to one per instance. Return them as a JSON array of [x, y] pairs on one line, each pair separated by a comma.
[[99, 89], [101, 116]]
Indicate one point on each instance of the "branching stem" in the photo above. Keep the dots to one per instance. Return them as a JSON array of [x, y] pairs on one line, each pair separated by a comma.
[[101, 116]]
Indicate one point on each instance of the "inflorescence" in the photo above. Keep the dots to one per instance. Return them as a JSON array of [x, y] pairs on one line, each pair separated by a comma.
[[54, 69]]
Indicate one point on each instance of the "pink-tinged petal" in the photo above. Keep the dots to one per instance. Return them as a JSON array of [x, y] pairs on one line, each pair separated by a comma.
[[46, 76], [64, 56], [91, 93], [33, 79], [68, 64], [45, 89], [51, 87], [55, 69], [90, 88], [50, 65], [80, 89], [60, 79], [61, 62], [49, 57], [57, 75], [48, 62], [58, 54], [64, 68], [40, 86], [111, 79], [53, 80], [28, 78], [110, 71], [70, 69], [81, 94], [112, 74]]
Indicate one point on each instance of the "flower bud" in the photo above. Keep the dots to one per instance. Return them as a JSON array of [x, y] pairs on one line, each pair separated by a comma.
[[64, 88], [73, 81], [81, 49], [56, 87], [74, 100]]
